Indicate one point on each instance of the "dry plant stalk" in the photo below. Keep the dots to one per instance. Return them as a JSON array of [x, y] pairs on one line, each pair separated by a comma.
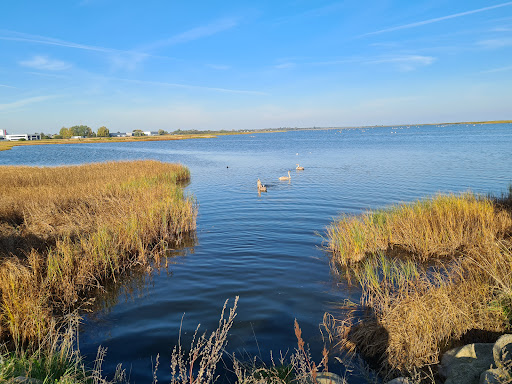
[[199, 364]]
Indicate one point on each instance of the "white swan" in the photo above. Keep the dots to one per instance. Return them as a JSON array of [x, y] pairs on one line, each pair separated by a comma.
[[286, 178], [299, 168], [261, 187]]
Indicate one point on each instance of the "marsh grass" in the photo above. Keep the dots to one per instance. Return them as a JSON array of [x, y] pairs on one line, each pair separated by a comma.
[[65, 231], [431, 273], [442, 227], [57, 360]]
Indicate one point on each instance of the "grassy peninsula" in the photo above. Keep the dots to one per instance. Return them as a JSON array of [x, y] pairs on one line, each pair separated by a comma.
[[431, 272], [64, 231]]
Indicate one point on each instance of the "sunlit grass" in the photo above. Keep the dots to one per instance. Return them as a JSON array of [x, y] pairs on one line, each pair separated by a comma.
[[430, 272], [64, 231]]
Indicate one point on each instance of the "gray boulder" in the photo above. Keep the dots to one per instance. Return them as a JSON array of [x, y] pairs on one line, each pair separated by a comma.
[[463, 365], [502, 352]]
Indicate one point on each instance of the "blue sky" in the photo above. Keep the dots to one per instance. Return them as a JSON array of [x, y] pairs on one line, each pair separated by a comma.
[[252, 64]]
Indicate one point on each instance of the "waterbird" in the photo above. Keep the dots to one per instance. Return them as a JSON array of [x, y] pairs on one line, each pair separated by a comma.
[[299, 168], [286, 178], [261, 187]]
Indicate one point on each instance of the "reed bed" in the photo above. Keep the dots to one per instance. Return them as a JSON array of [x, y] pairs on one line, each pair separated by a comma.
[[442, 227], [64, 231], [432, 273]]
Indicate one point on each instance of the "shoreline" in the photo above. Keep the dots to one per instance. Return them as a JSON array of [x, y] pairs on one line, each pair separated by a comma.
[[6, 145]]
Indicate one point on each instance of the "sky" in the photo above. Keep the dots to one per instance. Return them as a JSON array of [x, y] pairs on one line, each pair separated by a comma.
[[211, 65]]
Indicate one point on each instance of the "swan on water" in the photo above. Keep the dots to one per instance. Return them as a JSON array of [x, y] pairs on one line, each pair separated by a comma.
[[286, 178]]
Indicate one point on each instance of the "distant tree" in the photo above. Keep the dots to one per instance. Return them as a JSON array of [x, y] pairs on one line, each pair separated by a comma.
[[57, 137], [162, 132], [138, 132], [103, 132], [65, 133], [44, 137], [81, 130]]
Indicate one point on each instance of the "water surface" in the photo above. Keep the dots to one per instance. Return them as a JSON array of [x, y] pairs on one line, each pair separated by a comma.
[[267, 248]]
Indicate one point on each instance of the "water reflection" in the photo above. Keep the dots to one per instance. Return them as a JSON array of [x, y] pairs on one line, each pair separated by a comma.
[[135, 282]]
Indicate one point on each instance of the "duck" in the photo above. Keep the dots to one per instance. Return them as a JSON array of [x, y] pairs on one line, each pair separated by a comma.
[[261, 187], [299, 168], [286, 178]]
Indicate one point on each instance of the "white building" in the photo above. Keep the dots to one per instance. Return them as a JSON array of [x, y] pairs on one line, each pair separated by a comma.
[[24, 136], [3, 133], [150, 133]]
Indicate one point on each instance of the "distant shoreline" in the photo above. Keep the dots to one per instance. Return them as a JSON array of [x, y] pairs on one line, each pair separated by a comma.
[[6, 145]]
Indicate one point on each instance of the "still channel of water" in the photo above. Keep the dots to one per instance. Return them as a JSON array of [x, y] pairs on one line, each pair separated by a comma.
[[268, 249]]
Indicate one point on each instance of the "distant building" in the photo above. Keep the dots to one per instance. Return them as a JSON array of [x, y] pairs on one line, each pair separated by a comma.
[[118, 134], [78, 137], [150, 133], [35, 136], [3, 133]]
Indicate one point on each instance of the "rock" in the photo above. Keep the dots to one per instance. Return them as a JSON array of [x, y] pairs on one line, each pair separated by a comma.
[[24, 380], [473, 358], [399, 380], [329, 378], [464, 373], [502, 351], [495, 376]]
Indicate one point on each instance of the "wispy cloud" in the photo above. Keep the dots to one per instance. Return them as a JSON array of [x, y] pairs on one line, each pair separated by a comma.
[[189, 86], [437, 19], [406, 63], [6, 86], [36, 39], [219, 67], [288, 65], [24, 102], [192, 34], [45, 64], [502, 69], [495, 43]]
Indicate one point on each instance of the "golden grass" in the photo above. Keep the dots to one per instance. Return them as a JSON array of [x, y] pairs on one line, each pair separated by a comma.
[[413, 311], [66, 230], [441, 227]]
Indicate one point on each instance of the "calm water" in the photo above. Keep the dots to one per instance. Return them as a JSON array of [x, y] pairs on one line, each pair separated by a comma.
[[267, 249]]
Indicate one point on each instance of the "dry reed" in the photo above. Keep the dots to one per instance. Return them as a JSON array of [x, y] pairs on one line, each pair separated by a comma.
[[441, 227], [410, 312], [66, 230]]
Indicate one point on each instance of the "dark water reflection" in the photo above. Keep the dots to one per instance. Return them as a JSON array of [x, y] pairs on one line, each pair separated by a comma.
[[267, 248]]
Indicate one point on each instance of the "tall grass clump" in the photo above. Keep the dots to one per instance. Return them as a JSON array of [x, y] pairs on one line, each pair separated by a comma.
[[65, 231], [432, 273], [441, 227]]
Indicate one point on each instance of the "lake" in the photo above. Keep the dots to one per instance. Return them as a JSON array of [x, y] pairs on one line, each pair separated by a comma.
[[267, 248]]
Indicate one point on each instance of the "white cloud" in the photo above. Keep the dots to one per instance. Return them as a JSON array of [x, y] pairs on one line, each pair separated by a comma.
[[406, 63], [285, 66], [437, 19], [502, 69], [219, 67], [23, 102], [45, 64], [193, 34], [495, 43]]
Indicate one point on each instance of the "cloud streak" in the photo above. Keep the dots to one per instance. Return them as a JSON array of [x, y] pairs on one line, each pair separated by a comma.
[[406, 63], [436, 20], [45, 64], [193, 34], [188, 86], [23, 102]]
